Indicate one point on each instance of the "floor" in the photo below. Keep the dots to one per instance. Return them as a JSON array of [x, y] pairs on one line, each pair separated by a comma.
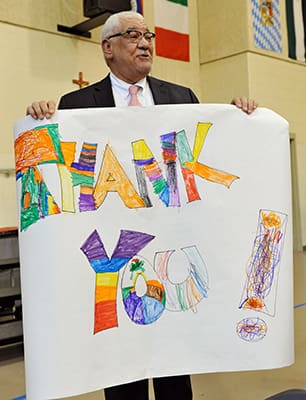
[[219, 386]]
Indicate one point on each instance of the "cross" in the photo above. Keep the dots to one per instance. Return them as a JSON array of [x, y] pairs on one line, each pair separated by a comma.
[[80, 81]]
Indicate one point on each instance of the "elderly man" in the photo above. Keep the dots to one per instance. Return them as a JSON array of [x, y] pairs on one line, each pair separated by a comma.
[[127, 46]]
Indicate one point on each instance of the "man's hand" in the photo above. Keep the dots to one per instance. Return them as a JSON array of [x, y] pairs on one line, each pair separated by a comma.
[[41, 109], [245, 104]]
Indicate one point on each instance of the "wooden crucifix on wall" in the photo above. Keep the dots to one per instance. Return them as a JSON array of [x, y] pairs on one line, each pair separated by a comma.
[[80, 81]]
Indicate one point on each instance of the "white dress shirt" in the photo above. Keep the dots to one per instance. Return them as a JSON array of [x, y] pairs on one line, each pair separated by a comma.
[[121, 92]]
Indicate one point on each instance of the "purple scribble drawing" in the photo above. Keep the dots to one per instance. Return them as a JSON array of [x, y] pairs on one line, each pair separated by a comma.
[[251, 329], [259, 293]]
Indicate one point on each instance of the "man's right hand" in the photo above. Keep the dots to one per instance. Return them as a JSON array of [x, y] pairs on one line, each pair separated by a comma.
[[41, 109]]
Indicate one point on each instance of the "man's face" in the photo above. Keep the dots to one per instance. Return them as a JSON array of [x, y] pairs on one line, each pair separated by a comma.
[[129, 60]]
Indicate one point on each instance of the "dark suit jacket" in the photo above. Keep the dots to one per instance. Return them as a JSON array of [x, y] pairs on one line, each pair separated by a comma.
[[100, 94]]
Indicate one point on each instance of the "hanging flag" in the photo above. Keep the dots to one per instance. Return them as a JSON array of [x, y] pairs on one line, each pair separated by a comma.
[[137, 5], [266, 25], [172, 29], [296, 23]]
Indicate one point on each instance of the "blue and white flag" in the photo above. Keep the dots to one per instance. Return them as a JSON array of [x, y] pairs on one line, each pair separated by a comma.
[[266, 25]]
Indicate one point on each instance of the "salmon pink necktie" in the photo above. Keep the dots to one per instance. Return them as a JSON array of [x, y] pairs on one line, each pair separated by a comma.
[[134, 101]]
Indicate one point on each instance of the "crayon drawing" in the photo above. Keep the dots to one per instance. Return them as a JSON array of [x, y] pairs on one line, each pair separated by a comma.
[[263, 267], [190, 159], [148, 307], [83, 174], [42, 145], [251, 329], [113, 178], [187, 294], [107, 271], [136, 225], [32, 148]]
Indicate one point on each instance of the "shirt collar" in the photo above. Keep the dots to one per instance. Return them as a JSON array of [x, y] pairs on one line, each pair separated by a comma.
[[123, 87]]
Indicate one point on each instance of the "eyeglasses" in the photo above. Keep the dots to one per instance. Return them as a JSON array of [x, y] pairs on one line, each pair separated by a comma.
[[135, 36]]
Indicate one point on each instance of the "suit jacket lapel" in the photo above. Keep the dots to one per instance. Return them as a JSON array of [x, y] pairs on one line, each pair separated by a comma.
[[159, 91], [103, 93]]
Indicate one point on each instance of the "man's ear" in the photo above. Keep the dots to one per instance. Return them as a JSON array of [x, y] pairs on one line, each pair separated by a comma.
[[106, 48]]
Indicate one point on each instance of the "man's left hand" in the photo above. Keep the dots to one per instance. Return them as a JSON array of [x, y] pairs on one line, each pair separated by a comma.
[[245, 104]]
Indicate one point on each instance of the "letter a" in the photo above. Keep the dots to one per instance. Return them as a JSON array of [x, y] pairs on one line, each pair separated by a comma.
[[112, 178]]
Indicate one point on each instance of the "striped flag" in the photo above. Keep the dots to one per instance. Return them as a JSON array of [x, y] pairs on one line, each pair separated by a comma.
[[296, 23], [172, 29], [266, 25]]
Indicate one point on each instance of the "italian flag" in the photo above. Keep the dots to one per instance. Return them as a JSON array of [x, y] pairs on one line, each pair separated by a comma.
[[296, 28], [171, 28]]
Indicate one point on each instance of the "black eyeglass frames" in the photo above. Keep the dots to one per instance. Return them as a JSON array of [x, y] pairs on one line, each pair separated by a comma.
[[134, 35]]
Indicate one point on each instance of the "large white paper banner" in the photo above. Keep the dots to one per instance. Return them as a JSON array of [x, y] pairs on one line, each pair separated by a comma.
[[153, 241]]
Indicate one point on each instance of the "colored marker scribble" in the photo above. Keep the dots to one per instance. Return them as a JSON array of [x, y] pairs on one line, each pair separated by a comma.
[[168, 145], [67, 192], [263, 267], [146, 309], [107, 272], [38, 146], [42, 145], [189, 160], [251, 329], [175, 145], [83, 174], [187, 294], [36, 201], [112, 178], [79, 173], [32, 148], [147, 166]]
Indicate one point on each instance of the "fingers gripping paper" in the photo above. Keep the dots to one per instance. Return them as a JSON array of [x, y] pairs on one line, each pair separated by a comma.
[[153, 242]]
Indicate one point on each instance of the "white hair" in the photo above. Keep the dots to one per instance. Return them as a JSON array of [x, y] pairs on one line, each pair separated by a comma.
[[113, 23]]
